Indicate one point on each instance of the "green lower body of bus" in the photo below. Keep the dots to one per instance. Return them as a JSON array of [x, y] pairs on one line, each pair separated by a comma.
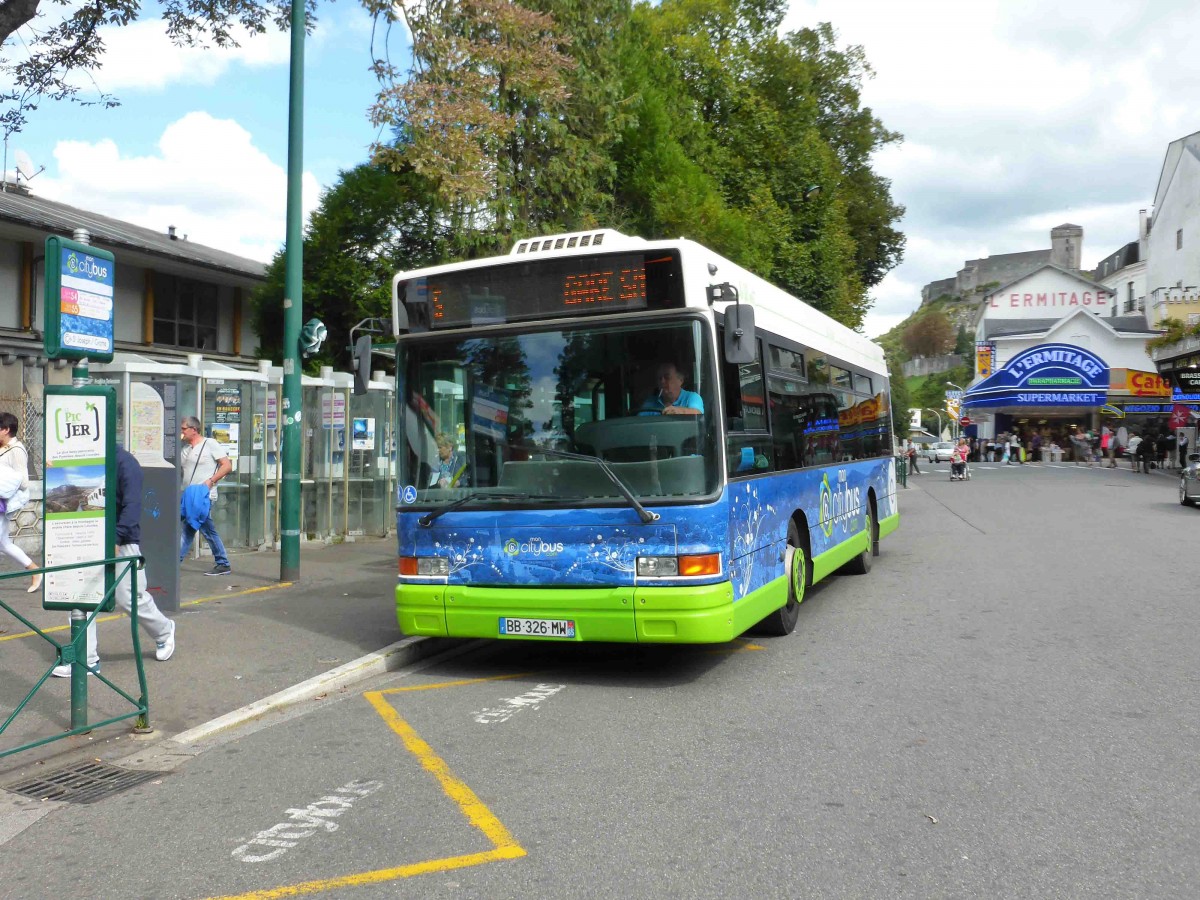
[[694, 614]]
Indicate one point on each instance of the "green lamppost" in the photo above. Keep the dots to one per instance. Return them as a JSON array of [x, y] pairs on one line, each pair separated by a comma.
[[293, 312]]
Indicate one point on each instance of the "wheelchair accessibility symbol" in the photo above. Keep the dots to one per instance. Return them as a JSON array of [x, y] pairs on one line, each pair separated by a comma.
[[410, 494]]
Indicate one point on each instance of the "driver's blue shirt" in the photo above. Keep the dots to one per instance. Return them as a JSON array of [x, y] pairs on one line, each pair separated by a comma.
[[654, 405]]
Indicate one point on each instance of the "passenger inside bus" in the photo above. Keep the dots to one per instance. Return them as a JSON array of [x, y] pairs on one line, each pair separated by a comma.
[[671, 399], [451, 467]]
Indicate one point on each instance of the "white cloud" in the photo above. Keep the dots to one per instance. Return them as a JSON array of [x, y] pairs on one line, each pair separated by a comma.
[[208, 179], [1017, 116], [140, 57]]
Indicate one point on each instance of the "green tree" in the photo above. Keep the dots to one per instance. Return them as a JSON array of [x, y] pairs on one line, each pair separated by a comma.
[[964, 346], [929, 334], [507, 110], [370, 224], [901, 400], [735, 125]]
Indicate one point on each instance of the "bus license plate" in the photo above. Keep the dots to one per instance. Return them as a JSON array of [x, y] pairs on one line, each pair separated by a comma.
[[551, 628]]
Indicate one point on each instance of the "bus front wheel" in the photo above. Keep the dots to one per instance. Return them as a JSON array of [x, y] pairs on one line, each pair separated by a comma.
[[783, 620]]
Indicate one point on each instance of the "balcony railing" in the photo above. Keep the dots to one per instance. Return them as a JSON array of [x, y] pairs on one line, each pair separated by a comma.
[[1179, 348]]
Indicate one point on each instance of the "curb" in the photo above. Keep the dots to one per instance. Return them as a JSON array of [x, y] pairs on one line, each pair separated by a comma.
[[389, 659]]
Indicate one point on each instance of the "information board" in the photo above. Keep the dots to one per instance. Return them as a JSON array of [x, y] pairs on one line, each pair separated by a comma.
[[80, 287], [79, 496]]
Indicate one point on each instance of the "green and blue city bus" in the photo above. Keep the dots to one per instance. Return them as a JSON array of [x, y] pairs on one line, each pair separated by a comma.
[[545, 492]]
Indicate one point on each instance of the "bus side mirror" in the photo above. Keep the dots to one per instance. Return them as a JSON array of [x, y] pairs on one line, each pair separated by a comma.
[[361, 360], [740, 346]]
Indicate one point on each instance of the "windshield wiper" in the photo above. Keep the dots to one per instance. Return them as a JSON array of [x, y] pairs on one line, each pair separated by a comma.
[[644, 514], [427, 519]]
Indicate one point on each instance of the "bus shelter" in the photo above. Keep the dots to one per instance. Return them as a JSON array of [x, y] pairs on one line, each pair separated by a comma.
[[347, 458]]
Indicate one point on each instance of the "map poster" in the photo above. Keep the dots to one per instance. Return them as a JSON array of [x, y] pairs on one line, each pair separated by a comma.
[[80, 490]]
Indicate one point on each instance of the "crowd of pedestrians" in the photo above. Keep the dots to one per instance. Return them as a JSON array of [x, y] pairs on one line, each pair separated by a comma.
[[1154, 448]]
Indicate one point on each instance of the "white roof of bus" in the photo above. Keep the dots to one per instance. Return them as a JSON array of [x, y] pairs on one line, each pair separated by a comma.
[[774, 309]]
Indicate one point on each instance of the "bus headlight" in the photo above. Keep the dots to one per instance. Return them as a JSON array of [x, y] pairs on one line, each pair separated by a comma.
[[424, 566], [657, 567]]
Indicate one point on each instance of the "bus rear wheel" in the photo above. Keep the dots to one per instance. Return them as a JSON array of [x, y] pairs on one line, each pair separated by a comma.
[[783, 620]]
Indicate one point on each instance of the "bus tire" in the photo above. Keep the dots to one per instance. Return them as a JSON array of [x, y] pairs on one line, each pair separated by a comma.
[[782, 621], [861, 564]]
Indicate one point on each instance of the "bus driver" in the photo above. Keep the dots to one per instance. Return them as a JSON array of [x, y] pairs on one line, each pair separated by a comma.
[[672, 399]]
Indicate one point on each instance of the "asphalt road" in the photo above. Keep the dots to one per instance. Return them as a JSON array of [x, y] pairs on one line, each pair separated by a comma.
[[1006, 706]]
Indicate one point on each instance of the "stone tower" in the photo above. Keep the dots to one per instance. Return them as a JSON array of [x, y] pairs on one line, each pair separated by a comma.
[[1066, 246]]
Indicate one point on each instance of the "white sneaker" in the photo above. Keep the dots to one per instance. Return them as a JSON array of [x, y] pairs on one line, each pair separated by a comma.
[[164, 649], [64, 671]]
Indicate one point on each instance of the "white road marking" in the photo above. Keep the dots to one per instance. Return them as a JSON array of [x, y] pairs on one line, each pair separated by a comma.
[[303, 823], [532, 698]]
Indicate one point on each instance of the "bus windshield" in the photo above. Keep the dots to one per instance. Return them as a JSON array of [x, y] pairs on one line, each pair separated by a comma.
[[484, 415]]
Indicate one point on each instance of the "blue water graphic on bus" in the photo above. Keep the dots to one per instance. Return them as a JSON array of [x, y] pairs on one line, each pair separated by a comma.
[[747, 524]]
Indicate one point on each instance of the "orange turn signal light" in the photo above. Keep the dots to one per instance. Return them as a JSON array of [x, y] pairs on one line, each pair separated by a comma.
[[706, 564], [408, 565]]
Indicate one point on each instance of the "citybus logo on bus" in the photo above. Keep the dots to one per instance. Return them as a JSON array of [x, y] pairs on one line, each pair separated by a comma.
[[534, 547], [837, 506]]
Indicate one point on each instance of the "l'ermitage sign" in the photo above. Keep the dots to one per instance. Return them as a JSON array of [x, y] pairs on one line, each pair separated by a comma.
[[80, 287], [1047, 375], [79, 494]]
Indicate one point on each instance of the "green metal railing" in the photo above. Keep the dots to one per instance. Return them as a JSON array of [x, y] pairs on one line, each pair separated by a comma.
[[74, 653], [902, 471]]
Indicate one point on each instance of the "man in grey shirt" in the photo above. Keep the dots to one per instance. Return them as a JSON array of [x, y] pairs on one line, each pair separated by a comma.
[[202, 461]]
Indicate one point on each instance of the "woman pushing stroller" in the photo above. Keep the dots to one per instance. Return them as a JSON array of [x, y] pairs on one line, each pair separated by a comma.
[[958, 461]]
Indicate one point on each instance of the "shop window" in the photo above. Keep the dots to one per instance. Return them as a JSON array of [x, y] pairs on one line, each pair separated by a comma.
[[185, 313]]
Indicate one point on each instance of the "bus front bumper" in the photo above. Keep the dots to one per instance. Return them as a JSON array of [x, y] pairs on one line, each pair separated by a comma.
[[694, 614]]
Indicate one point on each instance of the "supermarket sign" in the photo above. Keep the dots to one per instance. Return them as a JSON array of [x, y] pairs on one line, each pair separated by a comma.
[[1046, 375]]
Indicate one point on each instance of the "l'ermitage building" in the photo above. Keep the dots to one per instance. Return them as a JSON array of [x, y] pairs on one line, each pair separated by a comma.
[[184, 345], [1059, 348]]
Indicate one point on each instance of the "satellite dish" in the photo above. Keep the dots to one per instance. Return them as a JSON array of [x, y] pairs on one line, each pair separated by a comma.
[[25, 166]]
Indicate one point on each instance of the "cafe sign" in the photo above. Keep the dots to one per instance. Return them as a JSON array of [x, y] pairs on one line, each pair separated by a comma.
[[1139, 384]]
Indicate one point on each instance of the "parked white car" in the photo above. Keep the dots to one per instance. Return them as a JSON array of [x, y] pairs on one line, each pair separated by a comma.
[[940, 452]]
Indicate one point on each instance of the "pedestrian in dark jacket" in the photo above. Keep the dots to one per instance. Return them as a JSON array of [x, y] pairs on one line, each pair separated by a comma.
[[1145, 451], [129, 536]]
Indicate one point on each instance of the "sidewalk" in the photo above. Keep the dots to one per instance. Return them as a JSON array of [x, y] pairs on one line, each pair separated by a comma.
[[240, 639]]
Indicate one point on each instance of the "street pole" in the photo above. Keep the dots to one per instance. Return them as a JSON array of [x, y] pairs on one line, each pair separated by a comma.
[[962, 396], [289, 507], [939, 415]]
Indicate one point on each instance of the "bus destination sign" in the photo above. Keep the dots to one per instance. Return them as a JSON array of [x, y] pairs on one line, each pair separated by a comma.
[[535, 289]]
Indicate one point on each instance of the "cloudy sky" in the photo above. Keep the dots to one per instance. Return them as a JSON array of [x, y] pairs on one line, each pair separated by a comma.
[[1017, 116]]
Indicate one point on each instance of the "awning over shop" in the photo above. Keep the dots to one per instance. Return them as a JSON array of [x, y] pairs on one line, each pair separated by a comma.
[[1049, 375]]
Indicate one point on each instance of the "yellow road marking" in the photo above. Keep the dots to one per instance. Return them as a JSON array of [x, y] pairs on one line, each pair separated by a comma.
[[113, 618], [504, 844], [380, 875], [746, 646]]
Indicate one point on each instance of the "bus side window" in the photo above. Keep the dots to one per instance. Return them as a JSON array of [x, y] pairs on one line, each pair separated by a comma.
[[748, 449]]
